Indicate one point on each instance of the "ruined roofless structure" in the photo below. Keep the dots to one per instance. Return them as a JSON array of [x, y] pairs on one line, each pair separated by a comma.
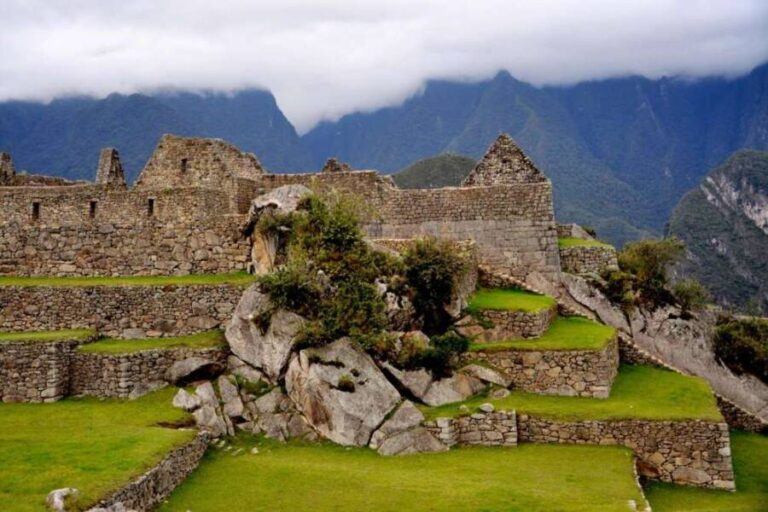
[[186, 211]]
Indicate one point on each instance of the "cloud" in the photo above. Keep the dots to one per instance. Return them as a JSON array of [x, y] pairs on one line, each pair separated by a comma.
[[323, 59]]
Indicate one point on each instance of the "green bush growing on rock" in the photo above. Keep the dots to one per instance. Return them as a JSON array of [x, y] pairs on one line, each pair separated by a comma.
[[346, 384], [742, 344], [690, 295], [433, 270], [441, 355]]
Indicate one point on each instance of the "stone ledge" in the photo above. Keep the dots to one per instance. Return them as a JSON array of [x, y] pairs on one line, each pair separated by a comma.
[[587, 373], [508, 324], [481, 428], [592, 259], [154, 486]]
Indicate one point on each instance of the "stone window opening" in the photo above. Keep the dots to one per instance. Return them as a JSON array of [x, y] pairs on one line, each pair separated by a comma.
[[36, 210], [183, 165], [150, 207], [92, 209]]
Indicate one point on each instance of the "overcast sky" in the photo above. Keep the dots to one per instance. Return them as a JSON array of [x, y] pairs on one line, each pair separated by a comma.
[[325, 58]]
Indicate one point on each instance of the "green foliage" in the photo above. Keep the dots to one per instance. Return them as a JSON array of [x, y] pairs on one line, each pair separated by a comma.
[[619, 287], [742, 344], [291, 288], [433, 270], [440, 356], [446, 170], [690, 295], [250, 387]]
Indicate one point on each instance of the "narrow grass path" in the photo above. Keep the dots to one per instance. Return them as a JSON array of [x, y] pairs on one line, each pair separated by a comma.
[[237, 278], [93, 445], [332, 478], [43, 336], [564, 243], [565, 333], [750, 465], [509, 299], [638, 392], [206, 339]]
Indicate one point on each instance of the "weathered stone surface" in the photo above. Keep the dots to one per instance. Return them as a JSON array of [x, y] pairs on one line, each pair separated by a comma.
[[345, 417], [266, 348], [406, 417], [416, 440], [187, 401], [452, 389], [416, 382], [230, 397], [487, 374], [57, 499]]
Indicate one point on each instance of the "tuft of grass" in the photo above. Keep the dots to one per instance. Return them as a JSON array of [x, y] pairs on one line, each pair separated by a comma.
[[564, 243], [509, 299], [750, 466], [642, 392], [93, 445], [565, 333], [325, 477], [43, 336], [237, 278], [206, 339]]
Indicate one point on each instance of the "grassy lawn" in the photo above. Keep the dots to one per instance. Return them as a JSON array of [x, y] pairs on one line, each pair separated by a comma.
[[325, 477], [638, 392], [578, 242], [205, 339], [93, 445], [565, 333], [66, 334], [750, 464], [238, 278], [509, 299]]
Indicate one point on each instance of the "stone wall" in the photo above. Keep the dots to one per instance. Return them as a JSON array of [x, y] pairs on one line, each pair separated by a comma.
[[481, 428], [113, 310], [153, 487], [739, 418], [498, 325], [587, 259], [692, 452], [117, 375], [556, 372], [34, 371]]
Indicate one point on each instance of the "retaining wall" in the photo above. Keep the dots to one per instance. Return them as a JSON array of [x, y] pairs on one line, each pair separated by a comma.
[[156, 485], [587, 259], [118, 375], [556, 372], [136, 311], [485, 429], [499, 325]]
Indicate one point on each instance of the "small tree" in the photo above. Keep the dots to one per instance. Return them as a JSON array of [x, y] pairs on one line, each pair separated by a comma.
[[690, 295], [648, 261]]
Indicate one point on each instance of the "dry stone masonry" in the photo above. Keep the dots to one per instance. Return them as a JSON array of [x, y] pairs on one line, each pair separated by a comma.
[[591, 259], [480, 428], [498, 325]]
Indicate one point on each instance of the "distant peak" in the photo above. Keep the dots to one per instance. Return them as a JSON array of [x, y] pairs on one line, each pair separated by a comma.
[[334, 165], [504, 163]]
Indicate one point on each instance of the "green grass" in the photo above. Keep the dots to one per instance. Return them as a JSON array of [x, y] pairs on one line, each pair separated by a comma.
[[509, 299], [565, 333], [750, 465], [205, 339], [93, 445], [238, 278], [42, 336], [564, 243], [638, 392], [326, 477]]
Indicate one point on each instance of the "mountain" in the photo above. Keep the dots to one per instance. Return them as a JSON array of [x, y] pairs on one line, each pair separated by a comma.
[[620, 152], [724, 224], [446, 170], [65, 136]]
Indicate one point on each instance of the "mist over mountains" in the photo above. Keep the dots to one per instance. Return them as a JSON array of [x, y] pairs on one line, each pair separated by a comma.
[[620, 152]]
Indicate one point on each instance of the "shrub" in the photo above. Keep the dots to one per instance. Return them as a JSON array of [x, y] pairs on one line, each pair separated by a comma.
[[291, 288], [690, 295], [648, 260], [440, 357], [432, 270], [346, 384], [619, 287], [742, 344]]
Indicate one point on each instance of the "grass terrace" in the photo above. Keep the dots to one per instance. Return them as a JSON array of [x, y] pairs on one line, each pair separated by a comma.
[[750, 465], [565, 333], [641, 392], [237, 278], [93, 445], [207, 339], [509, 299], [43, 336], [564, 243], [325, 477]]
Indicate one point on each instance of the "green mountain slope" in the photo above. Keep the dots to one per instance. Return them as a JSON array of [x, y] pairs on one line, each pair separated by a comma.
[[724, 223], [446, 170]]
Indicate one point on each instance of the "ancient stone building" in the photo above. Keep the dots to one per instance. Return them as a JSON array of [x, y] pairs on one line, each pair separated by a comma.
[[186, 209]]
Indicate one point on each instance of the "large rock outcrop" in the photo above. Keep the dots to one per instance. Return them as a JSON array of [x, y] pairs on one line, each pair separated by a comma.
[[340, 391], [261, 339]]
